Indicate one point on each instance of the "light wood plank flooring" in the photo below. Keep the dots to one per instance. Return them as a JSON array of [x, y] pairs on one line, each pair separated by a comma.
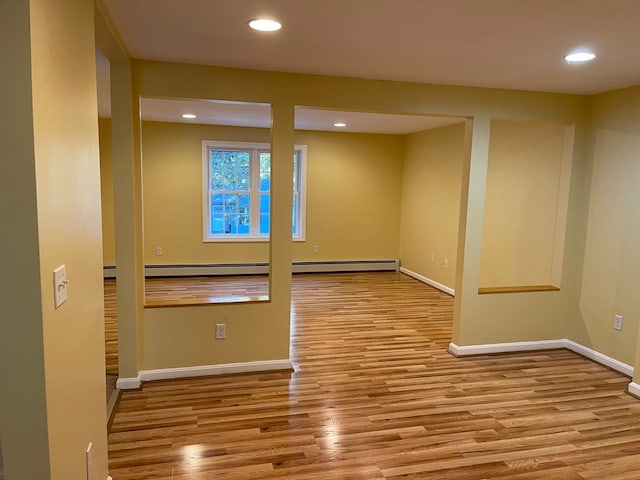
[[375, 395], [110, 326]]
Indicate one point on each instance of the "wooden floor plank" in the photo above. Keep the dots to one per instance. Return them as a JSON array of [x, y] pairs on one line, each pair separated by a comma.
[[375, 395]]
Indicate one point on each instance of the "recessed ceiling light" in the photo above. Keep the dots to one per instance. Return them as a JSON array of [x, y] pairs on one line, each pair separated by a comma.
[[340, 124], [582, 56], [188, 115], [265, 25]]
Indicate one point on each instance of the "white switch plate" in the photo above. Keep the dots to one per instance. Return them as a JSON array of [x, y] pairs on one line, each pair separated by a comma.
[[60, 285]]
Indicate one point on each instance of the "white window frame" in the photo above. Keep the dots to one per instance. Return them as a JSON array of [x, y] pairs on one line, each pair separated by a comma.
[[255, 149]]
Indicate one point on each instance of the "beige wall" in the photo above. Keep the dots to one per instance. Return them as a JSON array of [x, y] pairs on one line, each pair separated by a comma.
[[432, 179], [52, 360], [524, 193], [611, 278], [353, 195]]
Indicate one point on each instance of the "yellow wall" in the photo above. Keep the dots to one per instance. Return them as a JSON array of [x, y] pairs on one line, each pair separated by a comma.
[[353, 195], [514, 317], [495, 318], [522, 202], [172, 194], [106, 189], [611, 276], [432, 178], [52, 362]]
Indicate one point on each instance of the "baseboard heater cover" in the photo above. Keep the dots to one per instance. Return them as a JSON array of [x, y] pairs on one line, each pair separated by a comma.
[[261, 268]]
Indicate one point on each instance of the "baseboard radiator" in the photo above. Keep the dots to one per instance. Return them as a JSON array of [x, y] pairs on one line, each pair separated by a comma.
[[261, 268]]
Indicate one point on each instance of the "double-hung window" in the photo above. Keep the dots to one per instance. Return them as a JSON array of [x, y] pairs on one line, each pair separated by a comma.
[[237, 191]]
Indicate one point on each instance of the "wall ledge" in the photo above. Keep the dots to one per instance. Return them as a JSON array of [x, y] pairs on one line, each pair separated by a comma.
[[466, 350], [518, 289], [428, 281]]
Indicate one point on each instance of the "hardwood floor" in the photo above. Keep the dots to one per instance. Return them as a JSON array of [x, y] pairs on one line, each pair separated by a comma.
[[110, 326], [374, 395], [159, 292]]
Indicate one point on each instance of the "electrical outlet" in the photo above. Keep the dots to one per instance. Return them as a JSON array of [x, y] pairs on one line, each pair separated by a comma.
[[89, 460], [433, 258], [221, 331], [446, 263], [617, 322], [60, 285], [316, 248], [158, 251]]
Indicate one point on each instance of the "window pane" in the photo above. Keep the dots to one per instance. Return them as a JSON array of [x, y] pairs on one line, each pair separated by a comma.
[[229, 170], [294, 217], [295, 171], [265, 213], [217, 215], [265, 171]]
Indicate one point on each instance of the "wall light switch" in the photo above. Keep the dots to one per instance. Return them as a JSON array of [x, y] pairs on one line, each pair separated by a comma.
[[60, 285]]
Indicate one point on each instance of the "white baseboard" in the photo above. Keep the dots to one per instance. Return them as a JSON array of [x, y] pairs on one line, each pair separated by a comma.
[[128, 383], [202, 371], [464, 350], [634, 389], [428, 281], [221, 369], [600, 358], [461, 351]]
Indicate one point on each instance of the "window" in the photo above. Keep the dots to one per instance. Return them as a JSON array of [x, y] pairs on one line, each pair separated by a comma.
[[237, 191]]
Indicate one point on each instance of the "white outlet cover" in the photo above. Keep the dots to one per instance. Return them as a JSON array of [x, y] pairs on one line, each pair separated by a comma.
[[221, 331], [60, 285], [617, 322]]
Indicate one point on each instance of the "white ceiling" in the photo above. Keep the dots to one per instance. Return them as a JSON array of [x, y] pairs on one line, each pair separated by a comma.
[[259, 115], [513, 44]]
